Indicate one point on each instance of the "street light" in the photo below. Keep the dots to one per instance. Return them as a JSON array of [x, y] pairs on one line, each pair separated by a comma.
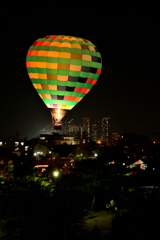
[[55, 174]]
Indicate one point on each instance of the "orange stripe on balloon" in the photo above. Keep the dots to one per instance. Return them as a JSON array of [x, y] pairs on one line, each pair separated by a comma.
[[78, 99], [83, 90], [62, 78], [87, 90], [27, 64], [86, 57], [52, 87], [33, 64], [34, 53], [67, 98], [42, 53], [59, 37], [75, 68], [72, 98]]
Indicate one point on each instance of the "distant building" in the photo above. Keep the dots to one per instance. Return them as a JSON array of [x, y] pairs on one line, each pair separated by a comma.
[[104, 129], [95, 131], [70, 128], [56, 139], [87, 126], [18, 147], [115, 138], [40, 150]]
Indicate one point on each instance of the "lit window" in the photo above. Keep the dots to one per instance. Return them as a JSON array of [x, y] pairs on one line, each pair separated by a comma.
[[22, 143], [26, 148], [16, 143], [1, 143]]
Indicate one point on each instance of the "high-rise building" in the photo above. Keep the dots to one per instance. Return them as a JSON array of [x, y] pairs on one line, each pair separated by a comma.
[[104, 136], [87, 126], [68, 126], [95, 131]]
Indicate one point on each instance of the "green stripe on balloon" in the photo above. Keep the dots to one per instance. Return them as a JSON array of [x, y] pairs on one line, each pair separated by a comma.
[[62, 102]]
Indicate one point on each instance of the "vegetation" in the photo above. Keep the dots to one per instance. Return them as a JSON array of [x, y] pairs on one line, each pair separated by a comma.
[[32, 206]]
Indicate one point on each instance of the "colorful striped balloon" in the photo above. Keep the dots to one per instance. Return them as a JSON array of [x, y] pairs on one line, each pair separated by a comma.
[[63, 69]]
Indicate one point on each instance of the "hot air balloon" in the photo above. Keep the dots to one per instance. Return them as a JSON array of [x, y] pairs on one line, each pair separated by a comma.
[[63, 69]]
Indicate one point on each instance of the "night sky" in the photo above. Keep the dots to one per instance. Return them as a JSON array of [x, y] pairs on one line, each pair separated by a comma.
[[126, 34]]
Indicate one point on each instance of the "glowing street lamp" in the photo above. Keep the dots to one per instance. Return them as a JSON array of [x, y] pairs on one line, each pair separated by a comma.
[[55, 174]]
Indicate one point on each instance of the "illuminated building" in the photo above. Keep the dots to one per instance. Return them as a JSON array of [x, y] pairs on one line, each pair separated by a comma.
[[86, 126], [40, 150], [71, 129], [95, 130], [104, 135], [18, 147]]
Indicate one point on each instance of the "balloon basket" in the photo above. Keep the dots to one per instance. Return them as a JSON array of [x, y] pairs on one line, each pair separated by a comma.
[[58, 126]]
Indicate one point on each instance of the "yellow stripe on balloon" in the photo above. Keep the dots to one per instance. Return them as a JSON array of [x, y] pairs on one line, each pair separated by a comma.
[[37, 86], [75, 45], [65, 44], [33, 75], [47, 104], [41, 64], [52, 65], [64, 55], [42, 75], [54, 43], [52, 54]]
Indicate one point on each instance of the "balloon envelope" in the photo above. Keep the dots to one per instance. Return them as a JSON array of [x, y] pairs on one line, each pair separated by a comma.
[[63, 69]]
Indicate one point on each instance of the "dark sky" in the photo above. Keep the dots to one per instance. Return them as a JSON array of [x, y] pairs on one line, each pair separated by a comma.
[[127, 35]]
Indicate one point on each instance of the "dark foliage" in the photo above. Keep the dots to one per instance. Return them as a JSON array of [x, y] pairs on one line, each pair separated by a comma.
[[141, 222]]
